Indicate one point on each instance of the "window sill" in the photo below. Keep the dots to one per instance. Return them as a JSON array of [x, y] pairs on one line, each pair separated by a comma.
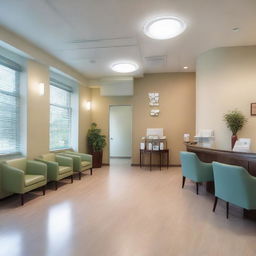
[[60, 150], [10, 157]]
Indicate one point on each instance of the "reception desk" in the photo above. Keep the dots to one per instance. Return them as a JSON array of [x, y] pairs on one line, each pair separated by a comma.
[[210, 154]]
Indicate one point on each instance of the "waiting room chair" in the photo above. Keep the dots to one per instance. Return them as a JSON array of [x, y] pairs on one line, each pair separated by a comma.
[[82, 162], [21, 176], [235, 185], [58, 167], [194, 169]]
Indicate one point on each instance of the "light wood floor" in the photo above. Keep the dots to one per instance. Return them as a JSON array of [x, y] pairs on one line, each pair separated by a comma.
[[124, 211]]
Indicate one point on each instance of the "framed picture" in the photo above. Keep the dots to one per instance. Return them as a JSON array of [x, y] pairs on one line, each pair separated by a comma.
[[253, 109]]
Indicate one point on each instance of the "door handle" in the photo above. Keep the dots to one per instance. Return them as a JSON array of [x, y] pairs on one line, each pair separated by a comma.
[[111, 138]]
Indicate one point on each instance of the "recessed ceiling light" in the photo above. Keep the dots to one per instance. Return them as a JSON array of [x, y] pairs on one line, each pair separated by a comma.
[[185, 67], [124, 67], [164, 28]]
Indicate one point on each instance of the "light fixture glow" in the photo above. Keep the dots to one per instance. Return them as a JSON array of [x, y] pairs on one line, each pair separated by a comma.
[[124, 67], [164, 28], [87, 105], [41, 89], [185, 67]]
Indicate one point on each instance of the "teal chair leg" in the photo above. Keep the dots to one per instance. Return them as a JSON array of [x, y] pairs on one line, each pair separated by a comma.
[[215, 203], [183, 181]]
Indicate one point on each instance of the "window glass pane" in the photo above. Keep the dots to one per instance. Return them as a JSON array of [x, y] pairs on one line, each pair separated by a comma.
[[60, 118], [60, 97], [9, 111], [7, 79]]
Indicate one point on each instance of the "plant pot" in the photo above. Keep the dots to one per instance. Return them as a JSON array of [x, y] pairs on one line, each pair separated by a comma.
[[97, 159], [233, 141]]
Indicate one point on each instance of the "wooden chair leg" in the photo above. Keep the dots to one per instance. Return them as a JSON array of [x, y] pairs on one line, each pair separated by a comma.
[[91, 171], [183, 181], [80, 175], [215, 203], [43, 189], [227, 205], [22, 199], [197, 187], [56, 185], [71, 178]]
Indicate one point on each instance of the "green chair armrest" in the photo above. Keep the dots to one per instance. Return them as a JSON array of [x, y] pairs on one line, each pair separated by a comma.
[[13, 179], [52, 169], [84, 157], [36, 168], [76, 160], [64, 161]]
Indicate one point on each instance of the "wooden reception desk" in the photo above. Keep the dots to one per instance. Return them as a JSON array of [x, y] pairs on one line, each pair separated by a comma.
[[205, 154]]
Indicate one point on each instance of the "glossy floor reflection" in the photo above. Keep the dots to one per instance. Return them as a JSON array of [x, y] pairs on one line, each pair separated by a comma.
[[123, 211]]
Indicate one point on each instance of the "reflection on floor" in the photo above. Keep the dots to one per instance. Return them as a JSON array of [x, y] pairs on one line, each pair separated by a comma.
[[124, 211], [114, 161]]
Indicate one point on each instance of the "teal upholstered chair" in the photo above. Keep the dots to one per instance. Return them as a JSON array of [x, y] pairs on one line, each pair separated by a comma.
[[58, 167], [81, 162], [235, 185], [22, 175], [194, 169]]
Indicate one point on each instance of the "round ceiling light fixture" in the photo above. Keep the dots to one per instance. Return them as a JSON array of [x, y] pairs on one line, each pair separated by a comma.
[[124, 67], [164, 27]]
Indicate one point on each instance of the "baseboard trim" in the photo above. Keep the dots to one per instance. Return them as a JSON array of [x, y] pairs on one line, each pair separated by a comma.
[[120, 157], [157, 165], [105, 164]]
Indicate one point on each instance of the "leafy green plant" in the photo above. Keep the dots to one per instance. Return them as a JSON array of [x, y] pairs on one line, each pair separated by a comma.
[[96, 140], [235, 121]]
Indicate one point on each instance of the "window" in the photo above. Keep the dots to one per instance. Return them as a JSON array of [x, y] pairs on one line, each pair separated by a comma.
[[9, 107], [60, 116]]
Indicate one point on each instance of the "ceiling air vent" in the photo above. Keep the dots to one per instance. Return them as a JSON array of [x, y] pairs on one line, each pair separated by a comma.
[[156, 61]]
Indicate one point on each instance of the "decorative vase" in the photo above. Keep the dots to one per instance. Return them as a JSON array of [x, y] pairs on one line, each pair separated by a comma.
[[233, 140], [97, 159]]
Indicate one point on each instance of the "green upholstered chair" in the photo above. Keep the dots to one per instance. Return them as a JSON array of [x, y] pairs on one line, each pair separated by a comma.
[[22, 175], [58, 167], [235, 185], [194, 169], [81, 162]]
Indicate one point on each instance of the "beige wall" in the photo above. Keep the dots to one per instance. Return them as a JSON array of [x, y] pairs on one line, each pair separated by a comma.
[[177, 110], [37, 110], [226, 80], [84, 118]]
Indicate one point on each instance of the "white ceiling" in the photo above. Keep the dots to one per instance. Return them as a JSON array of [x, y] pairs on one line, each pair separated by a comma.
[[91, 34]]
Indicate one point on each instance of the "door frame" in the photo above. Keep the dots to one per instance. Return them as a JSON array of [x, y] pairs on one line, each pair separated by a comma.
[[118, 105]]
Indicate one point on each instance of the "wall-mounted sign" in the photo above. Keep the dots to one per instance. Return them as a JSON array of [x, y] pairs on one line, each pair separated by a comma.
[[153, 102], [253, 109], [154, 112], [153, 99]]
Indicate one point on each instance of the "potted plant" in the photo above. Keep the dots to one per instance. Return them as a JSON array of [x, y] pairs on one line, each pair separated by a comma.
[[96, 143], [235, 121]]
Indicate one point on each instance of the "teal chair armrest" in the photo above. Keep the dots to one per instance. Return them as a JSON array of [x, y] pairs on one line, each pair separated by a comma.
[[64, 161], [13, 179], [52, 169], [206, 171], [36, 168]]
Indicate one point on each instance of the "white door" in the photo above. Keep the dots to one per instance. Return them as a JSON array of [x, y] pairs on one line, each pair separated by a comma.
[[120, 131]]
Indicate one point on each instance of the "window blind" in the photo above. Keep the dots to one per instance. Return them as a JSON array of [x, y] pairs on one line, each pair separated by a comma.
[[9, 110], [60, 117]]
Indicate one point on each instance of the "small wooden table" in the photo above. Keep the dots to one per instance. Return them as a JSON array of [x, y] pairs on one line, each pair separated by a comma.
[[151, 152]]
